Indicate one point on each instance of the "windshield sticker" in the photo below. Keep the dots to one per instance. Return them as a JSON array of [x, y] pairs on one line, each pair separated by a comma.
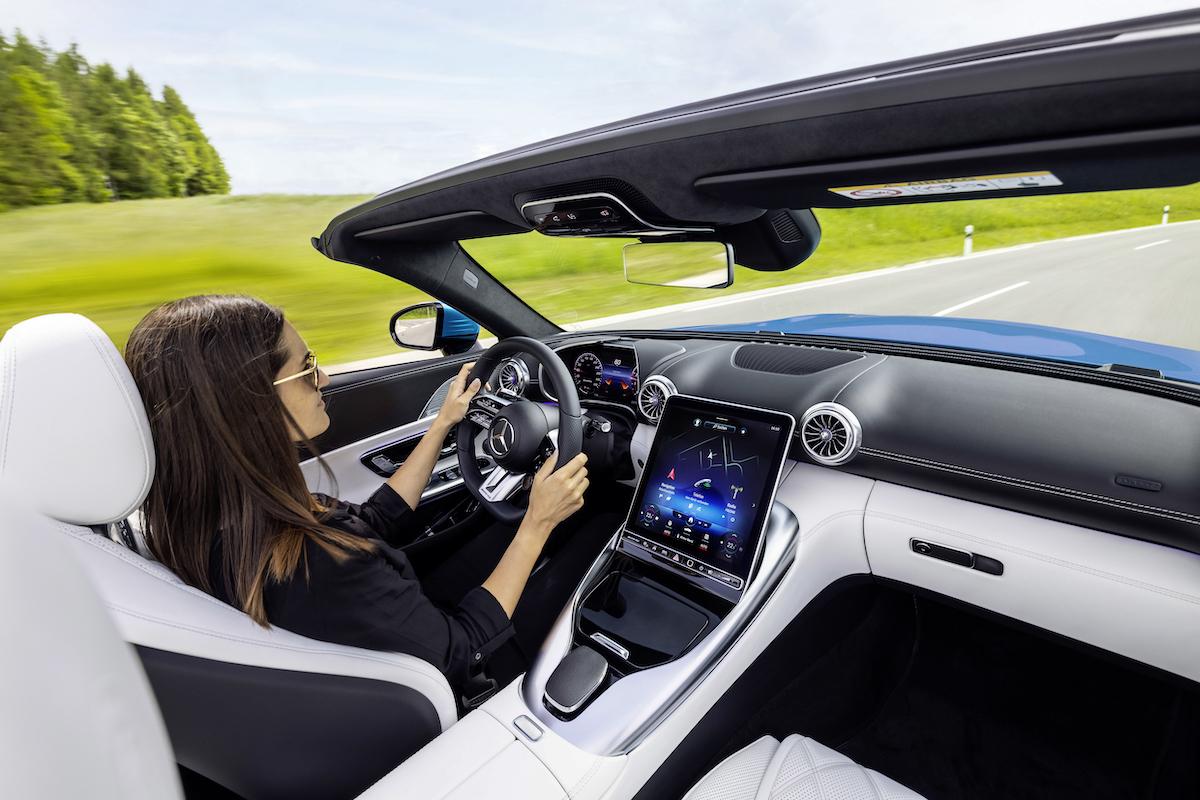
[[977, 183]]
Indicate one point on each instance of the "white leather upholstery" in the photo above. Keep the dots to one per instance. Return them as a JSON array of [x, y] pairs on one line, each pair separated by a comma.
[[73, 432], [795, 769], [1138, 599], [478, 760], [75, 439], [78, 719]]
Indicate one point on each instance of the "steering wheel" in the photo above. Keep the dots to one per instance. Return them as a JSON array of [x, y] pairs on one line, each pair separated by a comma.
[[520, 434]]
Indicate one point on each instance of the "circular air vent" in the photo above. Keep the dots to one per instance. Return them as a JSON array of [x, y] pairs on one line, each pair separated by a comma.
[[653, 396], [512, 376], [830, 433]]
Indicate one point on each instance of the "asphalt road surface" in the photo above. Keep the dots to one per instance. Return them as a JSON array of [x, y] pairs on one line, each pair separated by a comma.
[[1139, 284]]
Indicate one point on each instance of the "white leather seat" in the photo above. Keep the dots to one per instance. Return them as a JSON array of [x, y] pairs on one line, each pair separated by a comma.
[[75, 441], [78, 717], [797, 768]]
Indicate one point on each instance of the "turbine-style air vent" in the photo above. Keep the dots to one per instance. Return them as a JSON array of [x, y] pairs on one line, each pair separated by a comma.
[[513, 376], [830, 433], [653, 396]]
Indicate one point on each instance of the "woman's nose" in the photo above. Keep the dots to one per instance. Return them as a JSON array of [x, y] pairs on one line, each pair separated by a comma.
[[322, 379]]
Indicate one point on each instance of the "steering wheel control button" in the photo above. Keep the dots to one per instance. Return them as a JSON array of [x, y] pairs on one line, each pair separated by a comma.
[[528, 728]]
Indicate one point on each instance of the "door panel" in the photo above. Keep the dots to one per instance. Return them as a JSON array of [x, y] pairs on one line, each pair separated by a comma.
[[366, 402], [376, 417]]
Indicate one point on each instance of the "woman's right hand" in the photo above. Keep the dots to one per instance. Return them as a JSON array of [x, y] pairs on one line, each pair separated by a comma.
[[557, 495]]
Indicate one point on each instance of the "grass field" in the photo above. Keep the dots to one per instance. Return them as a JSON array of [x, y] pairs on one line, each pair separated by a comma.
[[114, 262]]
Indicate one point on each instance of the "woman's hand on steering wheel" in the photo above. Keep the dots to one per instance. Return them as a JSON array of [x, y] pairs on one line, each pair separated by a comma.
[[458, 397], [557, 495]]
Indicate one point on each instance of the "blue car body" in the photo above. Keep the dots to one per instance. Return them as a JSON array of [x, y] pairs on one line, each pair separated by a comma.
[[1010, 338]]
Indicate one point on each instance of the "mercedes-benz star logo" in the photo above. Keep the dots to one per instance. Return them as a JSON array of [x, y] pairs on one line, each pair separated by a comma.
[[501, 437]]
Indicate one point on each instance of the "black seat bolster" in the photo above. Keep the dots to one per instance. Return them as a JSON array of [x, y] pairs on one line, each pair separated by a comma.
[[264, 732]]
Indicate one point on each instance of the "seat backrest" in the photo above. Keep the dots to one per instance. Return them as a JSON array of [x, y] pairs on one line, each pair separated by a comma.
[[264, 712], [78, 718]]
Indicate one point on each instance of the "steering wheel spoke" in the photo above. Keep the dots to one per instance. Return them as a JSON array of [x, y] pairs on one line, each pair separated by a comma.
[[517, 433], [500, 484]]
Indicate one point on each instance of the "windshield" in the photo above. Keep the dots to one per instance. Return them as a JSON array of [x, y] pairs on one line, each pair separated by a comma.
[[1101, 278]]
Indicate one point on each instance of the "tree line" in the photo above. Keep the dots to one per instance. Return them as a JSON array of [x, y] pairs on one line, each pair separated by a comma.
[[71, 131]]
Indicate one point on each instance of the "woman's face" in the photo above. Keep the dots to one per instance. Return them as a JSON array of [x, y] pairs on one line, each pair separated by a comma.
[[302, 400]]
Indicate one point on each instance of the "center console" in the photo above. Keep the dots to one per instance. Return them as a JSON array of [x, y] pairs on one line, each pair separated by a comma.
[[701, 549]]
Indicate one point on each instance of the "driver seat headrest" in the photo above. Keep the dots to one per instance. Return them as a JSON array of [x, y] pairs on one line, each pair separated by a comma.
[[74, 437]]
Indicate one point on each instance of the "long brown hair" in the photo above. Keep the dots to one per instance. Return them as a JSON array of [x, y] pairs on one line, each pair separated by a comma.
[[227, 464]]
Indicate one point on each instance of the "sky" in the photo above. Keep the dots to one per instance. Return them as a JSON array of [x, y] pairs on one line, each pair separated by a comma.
[[359, 97]]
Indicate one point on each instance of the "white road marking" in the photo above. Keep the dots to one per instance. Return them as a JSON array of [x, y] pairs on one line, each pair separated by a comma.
[[1152, 244], [980, 299]]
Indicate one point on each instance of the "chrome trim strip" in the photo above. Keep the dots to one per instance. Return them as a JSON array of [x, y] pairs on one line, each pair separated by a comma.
[[600, 639], [650, 227]]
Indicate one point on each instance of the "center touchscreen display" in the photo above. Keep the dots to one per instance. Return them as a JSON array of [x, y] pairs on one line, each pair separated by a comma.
[[707, 485]]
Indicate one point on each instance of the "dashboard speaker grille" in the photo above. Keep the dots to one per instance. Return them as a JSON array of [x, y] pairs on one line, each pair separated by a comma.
[[830, 433], [787, 359], [653, 396]]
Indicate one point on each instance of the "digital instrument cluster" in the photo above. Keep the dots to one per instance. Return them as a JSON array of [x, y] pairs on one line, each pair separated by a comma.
[[602, 372]]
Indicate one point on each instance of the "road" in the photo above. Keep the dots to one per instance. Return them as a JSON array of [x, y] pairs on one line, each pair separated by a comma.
[[1142, 283]]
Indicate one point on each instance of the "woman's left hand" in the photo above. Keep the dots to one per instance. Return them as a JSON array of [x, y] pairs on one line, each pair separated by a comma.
[[458, 398]]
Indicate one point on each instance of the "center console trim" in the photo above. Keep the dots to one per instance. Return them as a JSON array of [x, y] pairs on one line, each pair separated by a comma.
[[623, 715]]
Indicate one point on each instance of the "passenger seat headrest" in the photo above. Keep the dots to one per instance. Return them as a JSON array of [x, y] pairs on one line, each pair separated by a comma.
[[74, 438]]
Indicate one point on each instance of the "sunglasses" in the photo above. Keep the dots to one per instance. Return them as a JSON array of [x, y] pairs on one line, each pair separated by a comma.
[[310, 368]]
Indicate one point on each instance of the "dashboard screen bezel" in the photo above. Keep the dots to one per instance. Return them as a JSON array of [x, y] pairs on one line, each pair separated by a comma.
[[631, 536]]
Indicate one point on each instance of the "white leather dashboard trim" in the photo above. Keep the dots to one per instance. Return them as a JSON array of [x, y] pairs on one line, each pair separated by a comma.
[[1133, 598]]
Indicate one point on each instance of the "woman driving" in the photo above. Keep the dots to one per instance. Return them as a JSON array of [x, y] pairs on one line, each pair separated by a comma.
[[231, 390]]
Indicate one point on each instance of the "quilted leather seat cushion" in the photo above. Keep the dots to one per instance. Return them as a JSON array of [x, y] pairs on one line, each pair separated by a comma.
[[795, 769]]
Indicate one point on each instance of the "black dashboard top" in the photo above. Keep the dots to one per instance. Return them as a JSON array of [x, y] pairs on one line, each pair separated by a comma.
[[1098, 456]]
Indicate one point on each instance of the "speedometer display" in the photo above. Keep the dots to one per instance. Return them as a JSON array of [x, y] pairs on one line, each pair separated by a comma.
[[588, 374]]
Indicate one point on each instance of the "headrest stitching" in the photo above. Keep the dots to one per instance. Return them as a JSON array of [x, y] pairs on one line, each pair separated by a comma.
[[132, 407], [8, 398]]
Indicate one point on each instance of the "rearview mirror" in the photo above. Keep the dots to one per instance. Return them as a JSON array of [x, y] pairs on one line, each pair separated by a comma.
[[434, 326], [690, 265]]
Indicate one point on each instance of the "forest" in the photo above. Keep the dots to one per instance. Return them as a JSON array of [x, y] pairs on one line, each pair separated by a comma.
[[71, 131]]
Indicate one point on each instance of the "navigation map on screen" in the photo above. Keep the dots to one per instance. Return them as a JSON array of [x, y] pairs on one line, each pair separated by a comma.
[[712, 470]]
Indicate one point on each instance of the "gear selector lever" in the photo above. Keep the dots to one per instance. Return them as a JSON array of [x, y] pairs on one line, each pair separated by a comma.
[[575, 680]]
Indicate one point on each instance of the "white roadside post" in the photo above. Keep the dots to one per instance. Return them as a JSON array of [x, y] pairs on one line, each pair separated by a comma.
[[967, 246], [1166, 213]]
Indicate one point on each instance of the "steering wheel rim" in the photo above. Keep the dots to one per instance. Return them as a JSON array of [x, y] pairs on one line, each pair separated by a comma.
[[569, 424]]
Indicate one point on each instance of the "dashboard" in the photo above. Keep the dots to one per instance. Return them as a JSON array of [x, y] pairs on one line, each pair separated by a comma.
[[1083, 453]]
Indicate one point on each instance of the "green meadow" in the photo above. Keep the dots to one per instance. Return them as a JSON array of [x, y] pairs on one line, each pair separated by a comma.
[[115, 261]]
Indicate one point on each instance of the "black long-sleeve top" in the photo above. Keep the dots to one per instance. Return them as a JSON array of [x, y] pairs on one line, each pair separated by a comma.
[[374, 600]]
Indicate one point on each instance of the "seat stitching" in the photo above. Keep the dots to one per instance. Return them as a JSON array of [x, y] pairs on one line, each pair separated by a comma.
[[131, 407], [8, 400], [1062, 562]]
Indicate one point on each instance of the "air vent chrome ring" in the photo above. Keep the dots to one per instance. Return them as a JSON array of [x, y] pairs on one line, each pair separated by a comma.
[[512, 376], [653, 396], [830, 433]]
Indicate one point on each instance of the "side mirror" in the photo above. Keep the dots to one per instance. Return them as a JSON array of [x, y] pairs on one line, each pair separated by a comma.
[[689, 265], [434, 326]]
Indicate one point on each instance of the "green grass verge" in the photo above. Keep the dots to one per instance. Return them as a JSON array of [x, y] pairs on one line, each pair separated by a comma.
[[114, 262]]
